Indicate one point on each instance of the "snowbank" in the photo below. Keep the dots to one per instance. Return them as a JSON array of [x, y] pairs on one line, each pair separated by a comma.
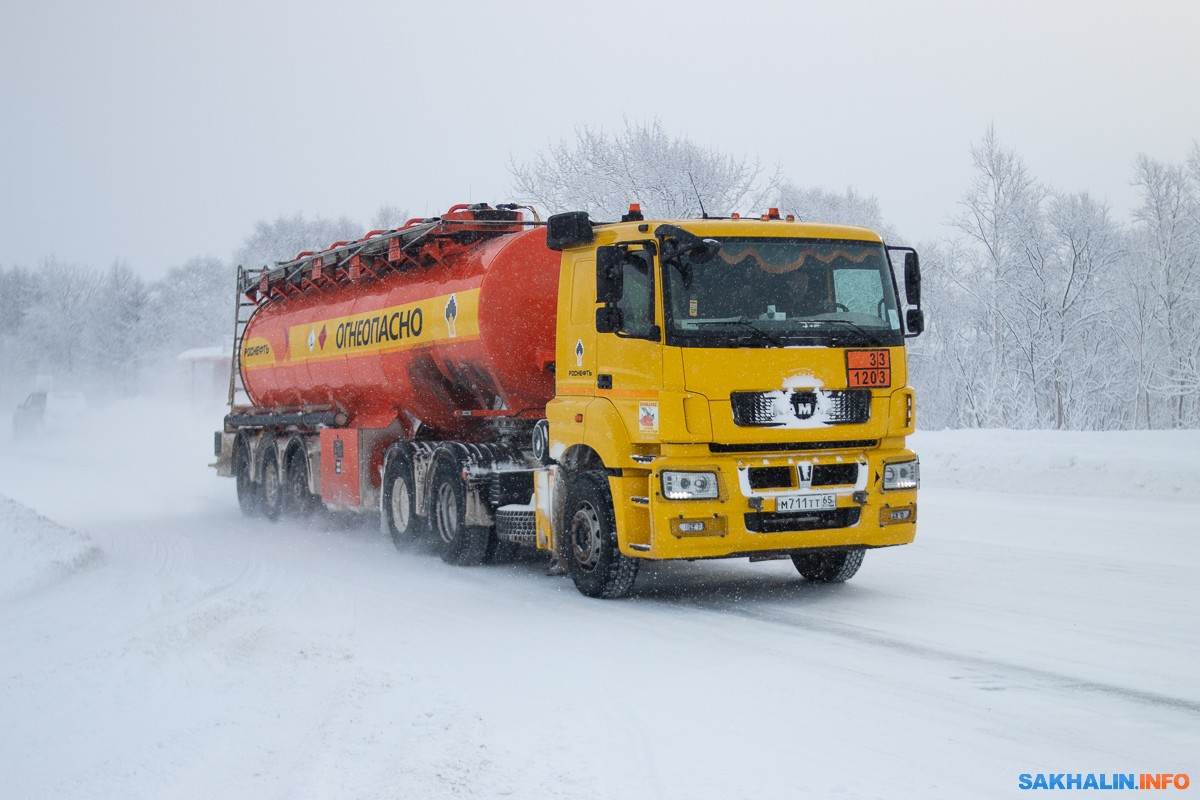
[[35, 550], [1090, 463]]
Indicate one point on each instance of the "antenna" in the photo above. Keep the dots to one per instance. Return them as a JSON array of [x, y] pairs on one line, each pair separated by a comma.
[[703, 213]]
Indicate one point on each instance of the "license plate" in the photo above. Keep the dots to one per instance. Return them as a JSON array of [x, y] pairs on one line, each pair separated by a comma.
[[806, 502]]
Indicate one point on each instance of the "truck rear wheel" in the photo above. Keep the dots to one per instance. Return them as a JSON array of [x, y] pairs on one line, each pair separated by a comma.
[[270, 483], [828, 567], [595, 561], [298, 500], [249, 492], [462, 544], [399, 506]]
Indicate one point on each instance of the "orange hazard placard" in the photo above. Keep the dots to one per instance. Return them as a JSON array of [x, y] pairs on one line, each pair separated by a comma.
[[869, 369]]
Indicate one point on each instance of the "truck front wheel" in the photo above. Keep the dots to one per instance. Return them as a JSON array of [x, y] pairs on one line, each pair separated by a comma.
[[828, 567], [595, 561], [462, 544]]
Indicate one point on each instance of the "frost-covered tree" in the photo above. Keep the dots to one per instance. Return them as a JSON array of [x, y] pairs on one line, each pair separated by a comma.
[[62, 311], [388, 217], [1033, 313], [283, 238], [1076, 310], [119, 334], [814, 204], [1001, 217], [602, 173], [192, 306], [1168, 249]]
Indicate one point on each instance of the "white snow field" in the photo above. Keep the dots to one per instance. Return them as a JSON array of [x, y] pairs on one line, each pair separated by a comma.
[[156, 644]]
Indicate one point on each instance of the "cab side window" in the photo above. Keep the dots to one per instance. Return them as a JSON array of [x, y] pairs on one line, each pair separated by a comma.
[[637, 300]]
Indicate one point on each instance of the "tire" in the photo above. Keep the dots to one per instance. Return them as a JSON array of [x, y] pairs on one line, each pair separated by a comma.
[[500, 552], [828, 567], [593, 557], [297, 499], [460, 543], [399, 503], [270, 483], [249, 491]]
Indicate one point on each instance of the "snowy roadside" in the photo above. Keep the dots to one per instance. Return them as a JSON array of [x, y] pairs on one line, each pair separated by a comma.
[[1085, 463], [35, 551]]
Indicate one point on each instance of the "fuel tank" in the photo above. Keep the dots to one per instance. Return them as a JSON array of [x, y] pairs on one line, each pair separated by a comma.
[[464, 330]]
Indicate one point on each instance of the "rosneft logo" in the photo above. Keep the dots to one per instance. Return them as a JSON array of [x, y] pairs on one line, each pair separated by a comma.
[[257, 352], [451, 316]]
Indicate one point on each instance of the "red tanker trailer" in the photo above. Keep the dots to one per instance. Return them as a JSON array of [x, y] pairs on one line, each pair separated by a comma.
[[608, 392], [462, 322]]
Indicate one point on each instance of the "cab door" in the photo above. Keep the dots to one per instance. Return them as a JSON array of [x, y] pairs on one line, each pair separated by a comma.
[[629, 358]]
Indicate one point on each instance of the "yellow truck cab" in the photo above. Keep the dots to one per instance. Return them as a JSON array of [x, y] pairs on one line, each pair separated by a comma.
[[724, 388]]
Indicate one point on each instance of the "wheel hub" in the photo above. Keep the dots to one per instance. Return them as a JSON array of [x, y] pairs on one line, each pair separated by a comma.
[[400, 505], [447, 513], [586, 537]]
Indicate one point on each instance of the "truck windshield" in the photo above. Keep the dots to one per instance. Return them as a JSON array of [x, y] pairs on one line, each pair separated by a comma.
[[759, 292]]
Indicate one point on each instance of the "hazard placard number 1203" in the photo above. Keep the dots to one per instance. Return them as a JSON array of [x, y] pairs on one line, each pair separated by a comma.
[[868, 369]]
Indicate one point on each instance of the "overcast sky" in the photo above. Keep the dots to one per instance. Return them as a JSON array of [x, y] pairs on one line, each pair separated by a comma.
[[155, 132]]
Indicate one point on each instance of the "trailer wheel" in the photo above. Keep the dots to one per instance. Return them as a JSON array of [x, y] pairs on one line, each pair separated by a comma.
[[272, 485], [248, 490], [828, 567], [595, 562], [462, 544], [500, 551], [298, 500], [399, 503]]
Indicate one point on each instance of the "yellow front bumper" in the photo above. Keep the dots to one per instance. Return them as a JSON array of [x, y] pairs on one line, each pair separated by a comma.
[[744, 520]]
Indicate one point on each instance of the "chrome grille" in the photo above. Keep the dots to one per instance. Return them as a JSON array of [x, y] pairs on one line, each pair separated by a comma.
[[778, 408]]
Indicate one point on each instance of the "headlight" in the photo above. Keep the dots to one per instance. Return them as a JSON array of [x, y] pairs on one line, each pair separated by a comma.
[[903, 475], [690, 485]]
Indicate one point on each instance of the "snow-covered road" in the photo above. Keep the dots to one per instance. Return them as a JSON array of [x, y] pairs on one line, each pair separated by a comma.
[[153, 643]]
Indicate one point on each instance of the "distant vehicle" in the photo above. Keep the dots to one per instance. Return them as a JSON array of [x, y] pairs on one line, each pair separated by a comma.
[[48, 412]]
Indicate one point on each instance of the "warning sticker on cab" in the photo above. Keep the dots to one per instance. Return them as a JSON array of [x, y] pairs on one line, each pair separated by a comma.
[[869, 369], [648, 418]]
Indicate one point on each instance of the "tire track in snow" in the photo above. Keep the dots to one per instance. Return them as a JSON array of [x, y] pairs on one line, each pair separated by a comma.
[[943, 655]]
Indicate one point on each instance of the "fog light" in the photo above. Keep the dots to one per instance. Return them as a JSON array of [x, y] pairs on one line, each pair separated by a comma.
[[713, 526], [898, 515]]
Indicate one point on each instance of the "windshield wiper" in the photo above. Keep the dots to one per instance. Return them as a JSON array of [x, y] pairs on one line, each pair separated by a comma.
[[870, 337], [743, 322], [759, 332]]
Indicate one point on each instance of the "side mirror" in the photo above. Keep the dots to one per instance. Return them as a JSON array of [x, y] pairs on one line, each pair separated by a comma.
[[610, 274], [914, 320], [677, 241], [571, 229], [609, 319], [912, 278]]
